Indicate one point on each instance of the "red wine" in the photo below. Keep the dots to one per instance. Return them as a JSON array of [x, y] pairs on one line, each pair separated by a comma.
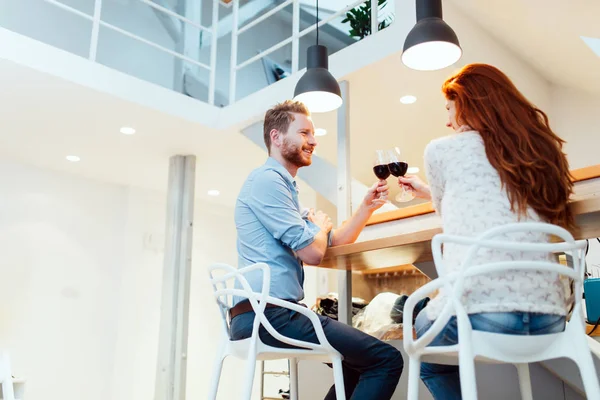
[[398, 168], [381, 171]]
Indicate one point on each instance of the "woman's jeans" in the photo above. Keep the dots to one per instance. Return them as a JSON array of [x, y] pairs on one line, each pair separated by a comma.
[[443, 380]]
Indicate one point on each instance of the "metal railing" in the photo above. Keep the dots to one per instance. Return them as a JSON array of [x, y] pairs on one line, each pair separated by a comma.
[[193, 21], [97, 22], [294, 38]]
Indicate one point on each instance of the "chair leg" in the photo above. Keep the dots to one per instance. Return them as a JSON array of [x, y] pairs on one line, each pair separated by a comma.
[[468, 383], [585, 363], [338, 379], [414, 375], [7, 390], [524, 381], [249, 382], [6, 378], [214, 385], [294, 379]]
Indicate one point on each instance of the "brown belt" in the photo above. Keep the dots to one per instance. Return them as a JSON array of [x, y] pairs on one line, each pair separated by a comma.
[[244, 307]]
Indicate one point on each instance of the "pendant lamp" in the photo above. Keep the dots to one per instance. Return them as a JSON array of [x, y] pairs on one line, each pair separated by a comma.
[[318, 89], [431, 44]]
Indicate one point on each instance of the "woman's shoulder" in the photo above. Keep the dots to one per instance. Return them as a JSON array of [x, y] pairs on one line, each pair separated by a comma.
[[454, 141]]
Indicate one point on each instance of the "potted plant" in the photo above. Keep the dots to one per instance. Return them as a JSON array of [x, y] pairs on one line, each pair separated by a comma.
[[360, 19]]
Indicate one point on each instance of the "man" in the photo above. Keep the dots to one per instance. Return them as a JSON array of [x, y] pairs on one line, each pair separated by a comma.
[[271, 229]]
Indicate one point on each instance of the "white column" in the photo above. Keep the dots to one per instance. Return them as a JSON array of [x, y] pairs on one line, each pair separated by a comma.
[[374, 16], [344, 203], [234, 45], [189, 41], [213, 53], [173, 337], [95, 30], [295, 35]]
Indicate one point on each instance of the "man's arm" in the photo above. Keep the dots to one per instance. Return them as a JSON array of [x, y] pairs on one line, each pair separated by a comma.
[[313, 253], [271, 201], [349, 230]]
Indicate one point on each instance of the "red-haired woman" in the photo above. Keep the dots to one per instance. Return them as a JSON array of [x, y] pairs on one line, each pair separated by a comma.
[[502, 165]]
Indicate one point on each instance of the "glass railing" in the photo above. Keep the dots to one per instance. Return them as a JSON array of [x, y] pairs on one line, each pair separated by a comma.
[[216, 51]]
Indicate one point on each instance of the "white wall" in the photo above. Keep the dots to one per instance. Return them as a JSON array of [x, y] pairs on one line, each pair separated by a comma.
[[81, 266], [575, 117], [61, 258]]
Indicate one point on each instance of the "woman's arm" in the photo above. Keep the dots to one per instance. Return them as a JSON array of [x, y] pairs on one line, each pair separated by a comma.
[[434, 170]]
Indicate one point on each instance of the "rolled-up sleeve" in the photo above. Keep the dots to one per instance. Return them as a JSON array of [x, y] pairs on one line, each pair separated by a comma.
[[272, 202]]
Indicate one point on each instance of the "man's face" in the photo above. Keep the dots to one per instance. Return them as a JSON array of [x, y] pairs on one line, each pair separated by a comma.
[[299, 142]]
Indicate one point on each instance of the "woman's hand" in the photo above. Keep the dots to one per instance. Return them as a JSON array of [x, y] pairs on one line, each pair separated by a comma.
[[414, 183]]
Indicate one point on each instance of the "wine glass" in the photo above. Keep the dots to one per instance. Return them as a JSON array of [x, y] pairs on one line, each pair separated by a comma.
[[380, 167], [398, 167]]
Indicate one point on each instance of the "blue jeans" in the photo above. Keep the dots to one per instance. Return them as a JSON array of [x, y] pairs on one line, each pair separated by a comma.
[[443, 380], [371, 367]]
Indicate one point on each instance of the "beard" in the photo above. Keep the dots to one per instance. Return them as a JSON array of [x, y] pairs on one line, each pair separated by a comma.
[[295, 154]]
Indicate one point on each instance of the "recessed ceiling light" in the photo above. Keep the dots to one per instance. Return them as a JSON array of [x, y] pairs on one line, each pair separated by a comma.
[[320, 132], [213, 192], [73, 158], [413, 170], [127, 130], [408, 99]]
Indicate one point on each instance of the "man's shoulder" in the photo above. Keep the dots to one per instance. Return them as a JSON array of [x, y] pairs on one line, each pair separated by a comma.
[[265, 175]]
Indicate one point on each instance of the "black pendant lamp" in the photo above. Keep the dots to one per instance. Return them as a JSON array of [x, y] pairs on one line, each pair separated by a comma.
[[431, 44], [318, 89]]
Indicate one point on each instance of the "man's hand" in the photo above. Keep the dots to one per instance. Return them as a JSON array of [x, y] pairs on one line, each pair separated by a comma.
[[414, 183], [320, 219], [376, 196]]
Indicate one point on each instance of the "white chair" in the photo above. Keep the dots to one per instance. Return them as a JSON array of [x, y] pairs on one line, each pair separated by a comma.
[[6, 377], [253, 349], [493, 347]]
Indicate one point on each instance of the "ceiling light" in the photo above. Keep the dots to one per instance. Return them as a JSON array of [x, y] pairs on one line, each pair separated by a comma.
[[73, 158], [213, 192], [320, 132], [126, 130], [408, 99], [318, 89], [431, 44], [412, 170]]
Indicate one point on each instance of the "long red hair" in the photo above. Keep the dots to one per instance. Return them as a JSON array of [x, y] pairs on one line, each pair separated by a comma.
[[518, 141]]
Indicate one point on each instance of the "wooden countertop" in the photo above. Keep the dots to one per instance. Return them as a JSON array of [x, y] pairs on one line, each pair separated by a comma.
[[411, 248], [579, 175]]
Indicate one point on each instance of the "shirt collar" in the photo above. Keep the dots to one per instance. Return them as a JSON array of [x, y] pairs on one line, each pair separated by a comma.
[[273, 163]]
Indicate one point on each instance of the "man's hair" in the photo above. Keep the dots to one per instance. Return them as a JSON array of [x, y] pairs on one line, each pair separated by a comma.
[[280, 117]]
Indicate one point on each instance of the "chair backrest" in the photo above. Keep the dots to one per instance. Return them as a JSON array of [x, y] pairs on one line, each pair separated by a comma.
[[489, 240], [224, 277]]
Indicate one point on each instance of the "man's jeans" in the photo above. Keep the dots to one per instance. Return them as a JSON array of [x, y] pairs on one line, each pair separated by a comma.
[[371, 367], [443, 380]]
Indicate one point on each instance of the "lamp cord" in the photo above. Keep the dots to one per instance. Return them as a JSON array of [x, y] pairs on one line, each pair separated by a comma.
[[317, 23]]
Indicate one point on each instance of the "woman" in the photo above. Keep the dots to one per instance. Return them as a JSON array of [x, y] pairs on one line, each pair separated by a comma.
[[502, 165]]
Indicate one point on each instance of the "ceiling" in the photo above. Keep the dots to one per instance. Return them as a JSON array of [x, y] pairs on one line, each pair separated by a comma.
[[527, 28], [545, 33], [45, 118]]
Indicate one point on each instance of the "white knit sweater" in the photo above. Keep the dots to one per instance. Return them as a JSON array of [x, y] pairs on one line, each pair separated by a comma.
[[466, 191]]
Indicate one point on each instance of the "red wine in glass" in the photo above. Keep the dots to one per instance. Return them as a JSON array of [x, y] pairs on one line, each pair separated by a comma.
[[380, 168], [382, 171], [398, 168]]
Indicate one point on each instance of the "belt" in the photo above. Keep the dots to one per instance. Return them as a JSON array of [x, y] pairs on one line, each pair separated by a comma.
[[244, 307]]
